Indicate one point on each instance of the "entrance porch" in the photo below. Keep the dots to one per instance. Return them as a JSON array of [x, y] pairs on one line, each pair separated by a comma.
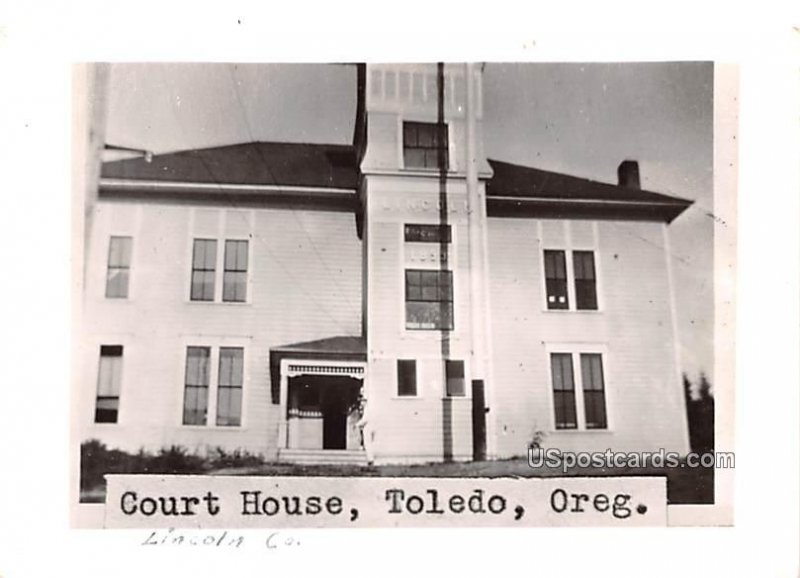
[[320, 398]]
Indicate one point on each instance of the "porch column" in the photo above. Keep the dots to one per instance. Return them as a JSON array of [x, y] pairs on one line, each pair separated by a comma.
[[283, 430]]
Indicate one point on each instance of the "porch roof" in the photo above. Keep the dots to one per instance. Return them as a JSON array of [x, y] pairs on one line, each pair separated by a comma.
[[339, 348]]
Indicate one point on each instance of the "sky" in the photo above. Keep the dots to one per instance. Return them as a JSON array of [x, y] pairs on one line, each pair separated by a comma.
[[578, 118]]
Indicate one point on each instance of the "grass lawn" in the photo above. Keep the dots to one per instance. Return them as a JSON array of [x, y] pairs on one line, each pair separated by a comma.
[[684, 485]]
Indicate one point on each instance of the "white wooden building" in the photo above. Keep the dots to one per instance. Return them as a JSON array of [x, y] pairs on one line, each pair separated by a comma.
[[403, 299]]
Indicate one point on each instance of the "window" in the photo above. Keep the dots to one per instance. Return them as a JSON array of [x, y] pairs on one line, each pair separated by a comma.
[[427, 233], [204, 260], [309, 398], [226, 402], [234, 271], [584, 276], [195, 401], [594, 395], [119, 267], [563, 390], [585, 287], [425, 145], [234, 281], [454, 378], [109, 378], [406, 377], [229, 386], [579, 401], [555, 274], [429, 299]]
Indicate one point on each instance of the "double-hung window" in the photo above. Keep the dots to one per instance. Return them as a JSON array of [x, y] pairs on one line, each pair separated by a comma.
[[109, 380], [229, 386], [234, 281], [429, 299], [563, 390], [594, 390], [425, 145], [573, 393], [583, 279], [199, 384], [119, 267], [198, 374], [204, 268], [234, 271], [555, 274]]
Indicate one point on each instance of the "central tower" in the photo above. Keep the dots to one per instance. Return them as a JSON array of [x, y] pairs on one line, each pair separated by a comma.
[[424, 228]]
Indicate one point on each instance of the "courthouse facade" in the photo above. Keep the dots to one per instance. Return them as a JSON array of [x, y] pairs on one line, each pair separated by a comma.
[[401, 299]]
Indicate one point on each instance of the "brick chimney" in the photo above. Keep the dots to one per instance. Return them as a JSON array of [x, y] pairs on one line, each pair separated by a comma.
[[628, 173]]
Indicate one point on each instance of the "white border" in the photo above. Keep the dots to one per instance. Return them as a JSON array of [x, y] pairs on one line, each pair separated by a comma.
[[761, 38]]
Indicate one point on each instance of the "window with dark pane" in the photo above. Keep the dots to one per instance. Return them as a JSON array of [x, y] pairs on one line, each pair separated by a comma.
[[585, 280], [427, 233], [454, 378], [109, 378], [229, 386], [429, 299], [195, 401], [406, 377], [563, 390], [119, 267], [425, 145], [234, 282], [309, 397], [594, 394], [555, 274], [204, 260]]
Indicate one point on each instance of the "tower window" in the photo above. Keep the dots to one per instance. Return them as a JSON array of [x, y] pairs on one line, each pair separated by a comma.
[[406, 377], [429, 299], [454, 378], [425, 145]]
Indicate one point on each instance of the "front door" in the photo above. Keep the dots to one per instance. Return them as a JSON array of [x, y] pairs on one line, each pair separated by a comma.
[[334, 420]]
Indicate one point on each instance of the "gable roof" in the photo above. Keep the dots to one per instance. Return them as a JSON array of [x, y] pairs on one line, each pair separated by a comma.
[[516, 190], [254, 163]]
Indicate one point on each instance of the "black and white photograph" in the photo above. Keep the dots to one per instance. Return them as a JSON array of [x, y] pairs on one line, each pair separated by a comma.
[[399, 289], [435, 270]]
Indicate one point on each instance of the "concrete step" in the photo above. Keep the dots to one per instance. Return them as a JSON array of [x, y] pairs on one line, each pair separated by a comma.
[[309, 457]]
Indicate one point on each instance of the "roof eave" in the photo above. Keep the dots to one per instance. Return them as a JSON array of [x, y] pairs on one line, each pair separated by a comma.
[[522, 207], [333, 198]]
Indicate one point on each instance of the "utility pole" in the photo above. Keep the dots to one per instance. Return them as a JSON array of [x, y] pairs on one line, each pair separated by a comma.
[[476, 223]]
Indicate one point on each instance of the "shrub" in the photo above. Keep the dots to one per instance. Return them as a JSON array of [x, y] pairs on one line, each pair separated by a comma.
[[220, 458], [97, 460]]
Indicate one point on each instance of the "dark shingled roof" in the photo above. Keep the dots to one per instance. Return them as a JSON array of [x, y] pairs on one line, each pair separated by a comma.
[[343, 346], [513, 191], [256, 163], [516, 190], [338, 348], [511, 180]]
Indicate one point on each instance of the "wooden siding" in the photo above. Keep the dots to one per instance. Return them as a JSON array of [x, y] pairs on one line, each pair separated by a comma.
[[632, 328], [304, 283], [428, 427]]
